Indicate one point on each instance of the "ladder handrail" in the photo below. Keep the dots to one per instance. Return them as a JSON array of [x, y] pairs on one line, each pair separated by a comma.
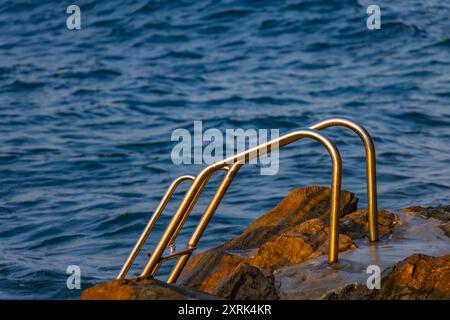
[[243, 157], [148, 228], [371, 175], [180, 225]]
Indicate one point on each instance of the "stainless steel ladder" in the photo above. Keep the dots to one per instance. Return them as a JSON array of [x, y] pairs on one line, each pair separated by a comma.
[[232, 165]]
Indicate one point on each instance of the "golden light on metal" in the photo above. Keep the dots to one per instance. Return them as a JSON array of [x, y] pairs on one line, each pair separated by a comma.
[[232, 166], [371, 173]]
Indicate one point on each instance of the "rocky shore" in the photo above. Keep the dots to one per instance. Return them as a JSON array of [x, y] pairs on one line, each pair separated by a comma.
[[282, 255]]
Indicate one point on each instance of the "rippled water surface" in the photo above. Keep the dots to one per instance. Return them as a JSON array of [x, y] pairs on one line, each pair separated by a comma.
[[86, 116]]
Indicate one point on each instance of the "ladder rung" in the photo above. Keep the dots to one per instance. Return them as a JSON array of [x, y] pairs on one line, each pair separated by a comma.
[[177, 254]]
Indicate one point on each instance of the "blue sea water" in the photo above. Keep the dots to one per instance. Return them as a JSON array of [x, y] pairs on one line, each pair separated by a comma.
[[86, 117]]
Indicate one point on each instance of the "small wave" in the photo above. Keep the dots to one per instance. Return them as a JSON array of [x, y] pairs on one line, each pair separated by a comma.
[[425, 119], [55, 241], [96, 74], [229, 14], [122, 219], [444, 43], [21, 85]]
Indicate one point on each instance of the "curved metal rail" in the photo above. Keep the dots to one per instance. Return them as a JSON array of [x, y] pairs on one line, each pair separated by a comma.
[[371, 173]]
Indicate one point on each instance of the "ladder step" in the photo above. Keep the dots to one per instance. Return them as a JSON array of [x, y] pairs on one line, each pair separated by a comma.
[[177, 254]]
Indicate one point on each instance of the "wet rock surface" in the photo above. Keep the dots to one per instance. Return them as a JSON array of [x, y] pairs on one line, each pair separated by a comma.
[[315, 278], [141, 289], [418, 277], [441, 213]]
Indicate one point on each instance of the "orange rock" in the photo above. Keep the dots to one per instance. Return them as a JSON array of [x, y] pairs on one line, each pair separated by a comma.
[[418, 277], [207, 270], [356, 224], [299, 243], [299, 205], [282, 250], [141, 289], [248, 282]]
